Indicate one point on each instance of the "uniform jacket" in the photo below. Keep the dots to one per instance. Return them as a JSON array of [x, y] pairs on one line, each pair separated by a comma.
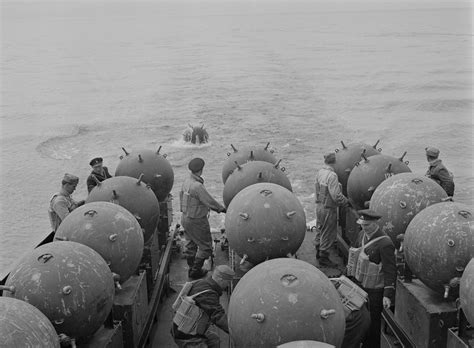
[[209, 303], [91, 183], [328, 189], [60, 205], [383, 251], [195, 201], [438, 172]]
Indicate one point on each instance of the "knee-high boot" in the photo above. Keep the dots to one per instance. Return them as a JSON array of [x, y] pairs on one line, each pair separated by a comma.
[[196, 271]]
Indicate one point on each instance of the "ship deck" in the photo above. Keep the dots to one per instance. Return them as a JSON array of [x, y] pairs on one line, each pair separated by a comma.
[[178, 276]]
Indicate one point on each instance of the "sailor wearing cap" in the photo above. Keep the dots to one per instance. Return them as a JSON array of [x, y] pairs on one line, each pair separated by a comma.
[[61, 204], [195, 204], [367, 217], [99, 173], [210, 289], [438, 172], [380, 251], [328, 197]]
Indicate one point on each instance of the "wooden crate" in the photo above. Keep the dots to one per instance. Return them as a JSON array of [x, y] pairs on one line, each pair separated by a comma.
[[105, 337], [423, 314], [131, 308]]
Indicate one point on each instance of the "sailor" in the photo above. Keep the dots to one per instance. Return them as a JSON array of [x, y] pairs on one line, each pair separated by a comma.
[[209, 290], [328, 197], [195, 205], [61, 204], [438, 172], [99, 172], [376, 249]]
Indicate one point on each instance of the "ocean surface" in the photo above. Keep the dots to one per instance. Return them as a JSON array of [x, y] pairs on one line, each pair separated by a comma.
[[81, 79]]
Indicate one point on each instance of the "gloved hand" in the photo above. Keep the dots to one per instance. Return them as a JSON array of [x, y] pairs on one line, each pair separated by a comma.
[[351, 203]]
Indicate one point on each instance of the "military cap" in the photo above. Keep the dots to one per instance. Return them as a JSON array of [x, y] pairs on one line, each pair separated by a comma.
[[367, 215], [196, 164], [94, 161], [224, 272], [70, 179], [432, 151], [330, 158]]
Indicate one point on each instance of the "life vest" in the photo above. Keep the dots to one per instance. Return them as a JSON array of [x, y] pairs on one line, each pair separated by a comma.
[[188, 317], [359, 266], [190, 205], [322, 189], [53, 217]]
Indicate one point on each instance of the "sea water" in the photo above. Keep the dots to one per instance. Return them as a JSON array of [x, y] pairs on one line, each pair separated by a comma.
[[83, 79]]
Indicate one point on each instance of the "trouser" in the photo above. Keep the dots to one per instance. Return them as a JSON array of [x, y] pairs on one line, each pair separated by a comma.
[[326, 227], [372, 338], [210, 340], [198, 235], [357, 324]]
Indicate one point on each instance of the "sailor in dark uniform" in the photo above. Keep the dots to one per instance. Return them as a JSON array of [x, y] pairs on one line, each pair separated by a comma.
[[438, 172], [207, 292], [99, 172], [380, 250]]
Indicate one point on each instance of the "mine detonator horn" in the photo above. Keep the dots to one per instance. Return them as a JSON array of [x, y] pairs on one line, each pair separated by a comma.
[[140, 178], [233, 147], [266, 147], [362, 155], [375, 146], [401, 158], [277, 164], [126, 153], [10, 289], [259, 317], [158, 152], [343, 145]]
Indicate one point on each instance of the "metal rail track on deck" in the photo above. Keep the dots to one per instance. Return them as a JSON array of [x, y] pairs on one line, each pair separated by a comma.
[[160, 279], [389, 319]]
